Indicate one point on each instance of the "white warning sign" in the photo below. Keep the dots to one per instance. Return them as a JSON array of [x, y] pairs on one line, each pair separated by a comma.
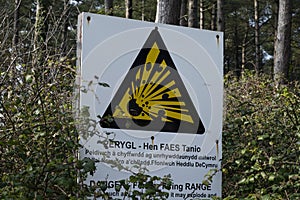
[[151, 101]]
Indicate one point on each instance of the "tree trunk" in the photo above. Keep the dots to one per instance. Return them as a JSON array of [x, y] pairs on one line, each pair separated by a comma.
[[237, 52], [244, 45], [257, 39], [16, 24], [192, 13], [282, 48], [37, 26], [183, 13], [128, 5], [275, 16], [220, 17], [65, 28], [168, 12], [108, 5], [243, 58], [201, 14], [40, 31], [143, 10], [213, 17]]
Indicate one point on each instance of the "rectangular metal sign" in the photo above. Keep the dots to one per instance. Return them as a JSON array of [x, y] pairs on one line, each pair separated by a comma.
[[151, 101]]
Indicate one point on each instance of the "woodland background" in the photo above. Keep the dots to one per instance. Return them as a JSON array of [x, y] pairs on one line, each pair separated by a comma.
[[261, 131]]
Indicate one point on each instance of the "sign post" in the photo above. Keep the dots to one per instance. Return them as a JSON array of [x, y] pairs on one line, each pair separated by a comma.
[[152, 94]]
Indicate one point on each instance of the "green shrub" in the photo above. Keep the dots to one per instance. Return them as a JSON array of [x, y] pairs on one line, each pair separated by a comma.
[[38, 138], [261, 139], [39, 141]]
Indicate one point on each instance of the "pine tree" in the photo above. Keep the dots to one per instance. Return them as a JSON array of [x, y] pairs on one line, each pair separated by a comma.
[[282, 48]]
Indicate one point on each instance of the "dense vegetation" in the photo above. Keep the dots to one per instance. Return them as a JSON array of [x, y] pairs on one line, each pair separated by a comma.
[[38, 136], [261, 136]]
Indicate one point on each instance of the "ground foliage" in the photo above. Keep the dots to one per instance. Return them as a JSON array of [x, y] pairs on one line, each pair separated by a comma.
[[261, 139], [39, 139]]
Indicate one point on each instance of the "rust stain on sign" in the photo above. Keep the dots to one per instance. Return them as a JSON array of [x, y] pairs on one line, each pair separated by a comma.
[[88, 19], [218, 40]]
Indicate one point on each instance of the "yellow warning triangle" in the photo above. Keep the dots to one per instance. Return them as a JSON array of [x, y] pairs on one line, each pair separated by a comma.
[[152, 96]]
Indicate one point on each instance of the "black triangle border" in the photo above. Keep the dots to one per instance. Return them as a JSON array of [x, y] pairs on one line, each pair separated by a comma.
[[107, 121]]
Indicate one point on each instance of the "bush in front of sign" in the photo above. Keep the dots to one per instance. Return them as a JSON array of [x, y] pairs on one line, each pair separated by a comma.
[[144, 187], [39, 140]]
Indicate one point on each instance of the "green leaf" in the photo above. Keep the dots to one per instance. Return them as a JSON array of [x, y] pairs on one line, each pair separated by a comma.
[[271, 160], [271, 178]]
